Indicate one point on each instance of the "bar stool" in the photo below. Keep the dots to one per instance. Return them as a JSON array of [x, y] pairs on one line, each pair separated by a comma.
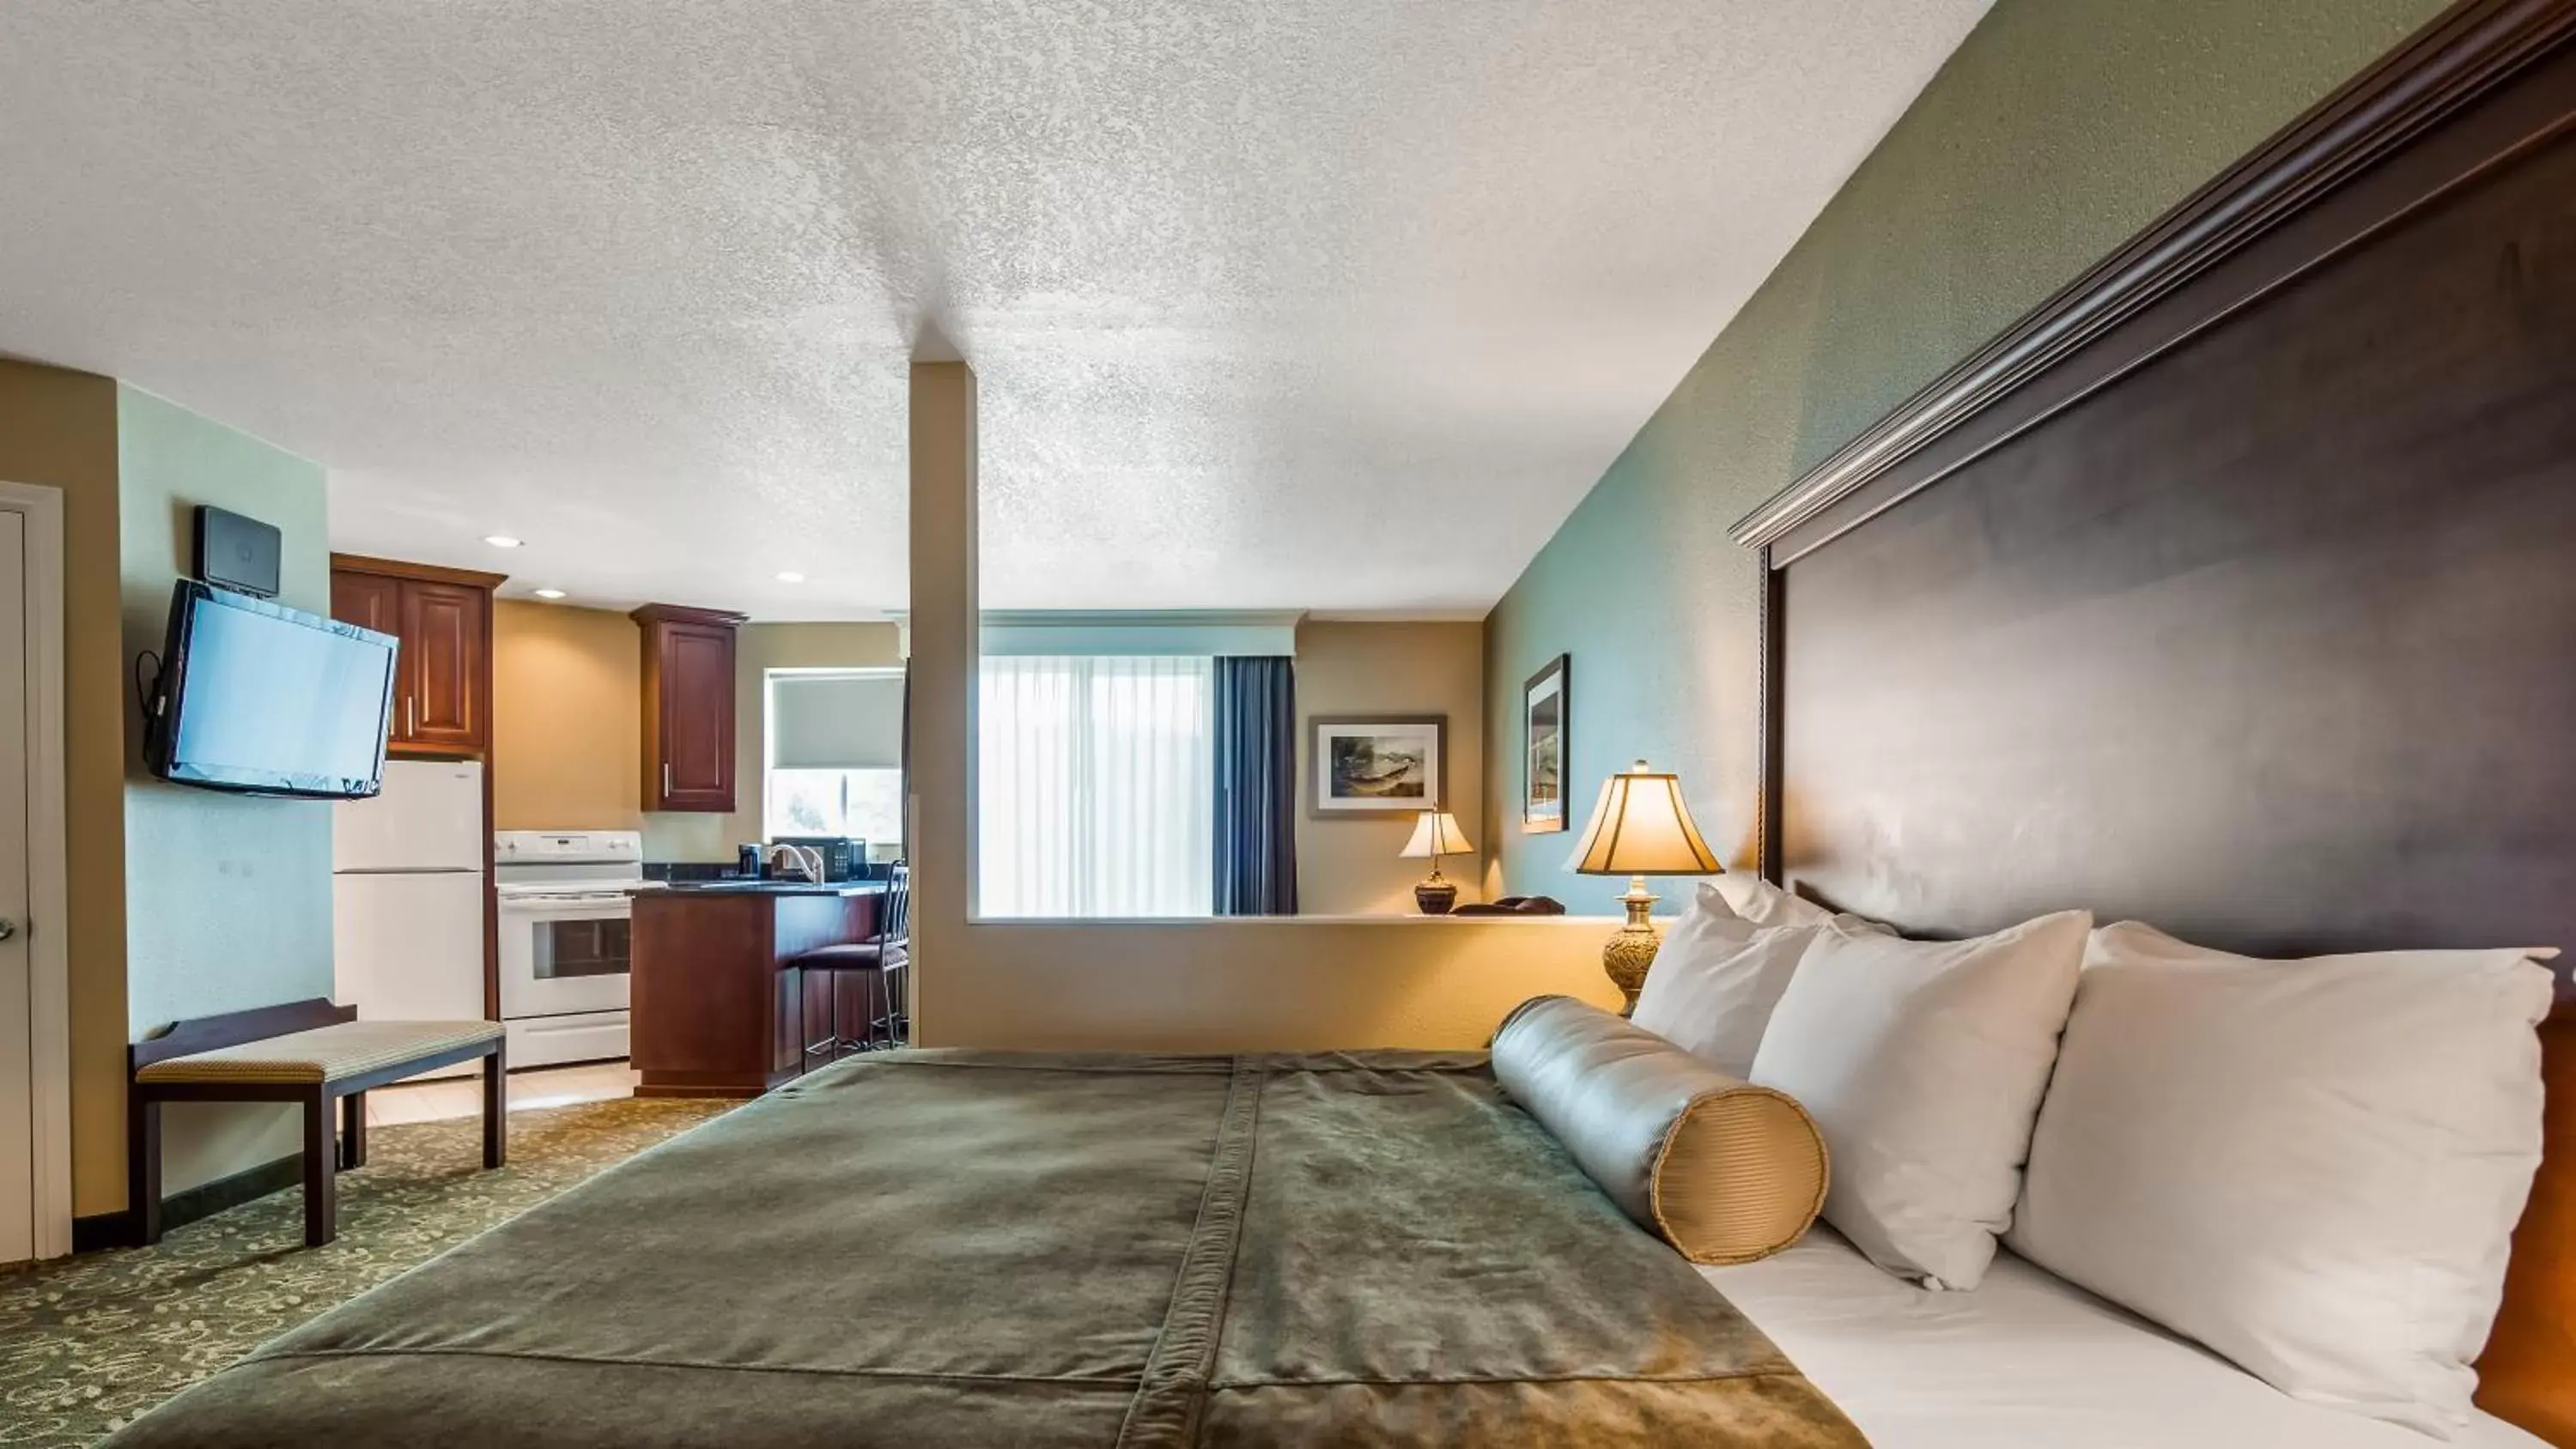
[[881, 962]]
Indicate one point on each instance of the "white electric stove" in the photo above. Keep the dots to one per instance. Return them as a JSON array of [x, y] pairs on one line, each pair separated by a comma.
[[566, 899]]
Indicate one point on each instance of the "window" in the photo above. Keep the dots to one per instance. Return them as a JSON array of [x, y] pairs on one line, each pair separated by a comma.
[[835, 754], [1096, 794], [865, 804]]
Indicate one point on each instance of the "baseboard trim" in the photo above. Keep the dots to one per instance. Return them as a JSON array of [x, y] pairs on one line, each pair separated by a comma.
[[117, 1229]]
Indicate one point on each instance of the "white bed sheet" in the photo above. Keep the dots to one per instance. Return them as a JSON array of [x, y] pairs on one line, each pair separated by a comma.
[[2028, 1361]]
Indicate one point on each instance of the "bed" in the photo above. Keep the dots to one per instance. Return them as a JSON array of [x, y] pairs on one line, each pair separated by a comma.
[[964, 1248], [2026, 1362]]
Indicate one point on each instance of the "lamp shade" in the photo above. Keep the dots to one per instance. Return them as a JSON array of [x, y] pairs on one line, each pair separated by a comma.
[[1436, 832], [1641, 827]]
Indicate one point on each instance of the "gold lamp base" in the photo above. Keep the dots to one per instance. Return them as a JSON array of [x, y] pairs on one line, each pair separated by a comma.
[[1630, 952]]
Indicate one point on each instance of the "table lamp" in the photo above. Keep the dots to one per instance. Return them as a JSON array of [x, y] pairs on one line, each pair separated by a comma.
[[1436, 834], [1640, 827]]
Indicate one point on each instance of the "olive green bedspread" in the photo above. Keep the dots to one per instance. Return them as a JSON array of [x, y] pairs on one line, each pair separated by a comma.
[[949, 1249]]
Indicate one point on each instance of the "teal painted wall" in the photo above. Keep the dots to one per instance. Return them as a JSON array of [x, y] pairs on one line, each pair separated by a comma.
[[2057, 131], [228, 898]]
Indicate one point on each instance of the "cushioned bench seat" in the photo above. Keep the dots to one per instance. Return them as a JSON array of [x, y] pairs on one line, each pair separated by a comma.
[[331, 1053], [309, 1052]]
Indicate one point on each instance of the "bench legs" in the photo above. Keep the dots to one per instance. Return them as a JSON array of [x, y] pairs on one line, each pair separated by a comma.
[[353, 1131], [496, 1109], [321, 1171], [143, 1165]]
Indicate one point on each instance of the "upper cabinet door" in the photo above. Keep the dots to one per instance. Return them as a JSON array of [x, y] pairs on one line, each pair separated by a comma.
[[442, 620], [446, 631], [370, 601], [688, 707], [697, 709]]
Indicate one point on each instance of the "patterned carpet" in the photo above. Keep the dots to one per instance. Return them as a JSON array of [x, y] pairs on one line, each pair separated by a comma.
[[90, 1341]]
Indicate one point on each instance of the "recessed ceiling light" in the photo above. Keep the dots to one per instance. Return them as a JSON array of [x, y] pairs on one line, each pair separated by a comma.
[[791, 577], [501, 540], [549, 593]]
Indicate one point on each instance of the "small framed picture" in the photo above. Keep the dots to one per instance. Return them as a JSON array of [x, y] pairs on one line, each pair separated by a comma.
[[1388, 764], [1544, 706]]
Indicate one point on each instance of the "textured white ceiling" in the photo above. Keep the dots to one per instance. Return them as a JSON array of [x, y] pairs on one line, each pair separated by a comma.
[[1334, 304]]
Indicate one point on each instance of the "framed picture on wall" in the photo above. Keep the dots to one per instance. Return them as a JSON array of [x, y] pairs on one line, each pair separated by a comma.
[[1544, 705], [1387, 764]]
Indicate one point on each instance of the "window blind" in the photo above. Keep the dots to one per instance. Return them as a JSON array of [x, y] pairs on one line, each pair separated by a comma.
[[836, 721]]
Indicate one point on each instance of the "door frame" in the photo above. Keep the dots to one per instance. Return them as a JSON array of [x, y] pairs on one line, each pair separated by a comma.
[[49, 1054]]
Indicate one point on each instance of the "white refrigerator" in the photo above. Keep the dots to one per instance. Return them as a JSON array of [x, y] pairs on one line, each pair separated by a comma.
[[407, 897]]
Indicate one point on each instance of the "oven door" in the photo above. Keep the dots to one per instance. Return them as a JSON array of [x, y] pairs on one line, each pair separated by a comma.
[[565, 953]]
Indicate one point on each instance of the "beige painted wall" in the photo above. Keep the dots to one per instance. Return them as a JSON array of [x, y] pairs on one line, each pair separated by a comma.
[[1350, 866], [567, 710], [1248, 984], [1254, 983], [58, 430], [567, 731]]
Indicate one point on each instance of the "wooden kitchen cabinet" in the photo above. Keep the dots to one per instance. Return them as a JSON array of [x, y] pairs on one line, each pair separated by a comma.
[[719, 1007], [688, 708], [370, 601], [447, 631], [443, 672]]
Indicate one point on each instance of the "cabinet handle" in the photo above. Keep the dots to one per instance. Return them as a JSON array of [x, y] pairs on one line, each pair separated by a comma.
[[666, 779], [411, 725]]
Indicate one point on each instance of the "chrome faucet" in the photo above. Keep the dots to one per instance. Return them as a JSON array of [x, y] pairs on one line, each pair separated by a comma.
[[803, 860]]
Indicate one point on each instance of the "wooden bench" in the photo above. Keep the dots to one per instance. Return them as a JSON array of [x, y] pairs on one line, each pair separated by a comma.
[[311, 1052]]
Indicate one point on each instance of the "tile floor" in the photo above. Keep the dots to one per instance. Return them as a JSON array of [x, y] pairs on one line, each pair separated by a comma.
[[535, 1087]]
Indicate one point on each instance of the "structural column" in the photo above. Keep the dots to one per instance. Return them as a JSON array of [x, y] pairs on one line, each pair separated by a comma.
[[944, 662]]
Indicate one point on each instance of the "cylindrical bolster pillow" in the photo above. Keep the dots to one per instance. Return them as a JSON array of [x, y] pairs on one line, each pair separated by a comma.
[[1723, 1170]]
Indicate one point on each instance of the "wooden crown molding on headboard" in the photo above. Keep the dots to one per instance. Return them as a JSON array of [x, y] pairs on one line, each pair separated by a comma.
[[2460, 56]]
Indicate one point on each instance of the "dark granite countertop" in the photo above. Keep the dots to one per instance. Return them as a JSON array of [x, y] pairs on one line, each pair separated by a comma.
[[738, 887]]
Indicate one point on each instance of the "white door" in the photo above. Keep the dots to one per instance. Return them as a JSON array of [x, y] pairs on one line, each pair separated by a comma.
[[17, 974]]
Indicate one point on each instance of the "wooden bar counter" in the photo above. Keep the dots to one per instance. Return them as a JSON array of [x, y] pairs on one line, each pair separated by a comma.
[[716, 1010]]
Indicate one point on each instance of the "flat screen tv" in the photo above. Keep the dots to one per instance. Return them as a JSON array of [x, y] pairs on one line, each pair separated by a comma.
[[266, 700]]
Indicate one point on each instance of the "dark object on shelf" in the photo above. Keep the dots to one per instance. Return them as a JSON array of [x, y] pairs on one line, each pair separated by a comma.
[[1514, 906], [1435, 899], [237, 553], [749, 864]]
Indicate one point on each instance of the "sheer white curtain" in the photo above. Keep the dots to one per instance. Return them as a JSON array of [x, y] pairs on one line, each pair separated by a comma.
[[1096, 786]]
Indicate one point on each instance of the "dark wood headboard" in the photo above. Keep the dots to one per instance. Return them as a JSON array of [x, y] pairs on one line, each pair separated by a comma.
[[2235, 588]]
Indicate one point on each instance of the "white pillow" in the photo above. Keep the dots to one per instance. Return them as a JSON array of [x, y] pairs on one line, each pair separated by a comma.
[[2313, 1167], [1714, 982], [1764, 904], [1923, 1063]]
